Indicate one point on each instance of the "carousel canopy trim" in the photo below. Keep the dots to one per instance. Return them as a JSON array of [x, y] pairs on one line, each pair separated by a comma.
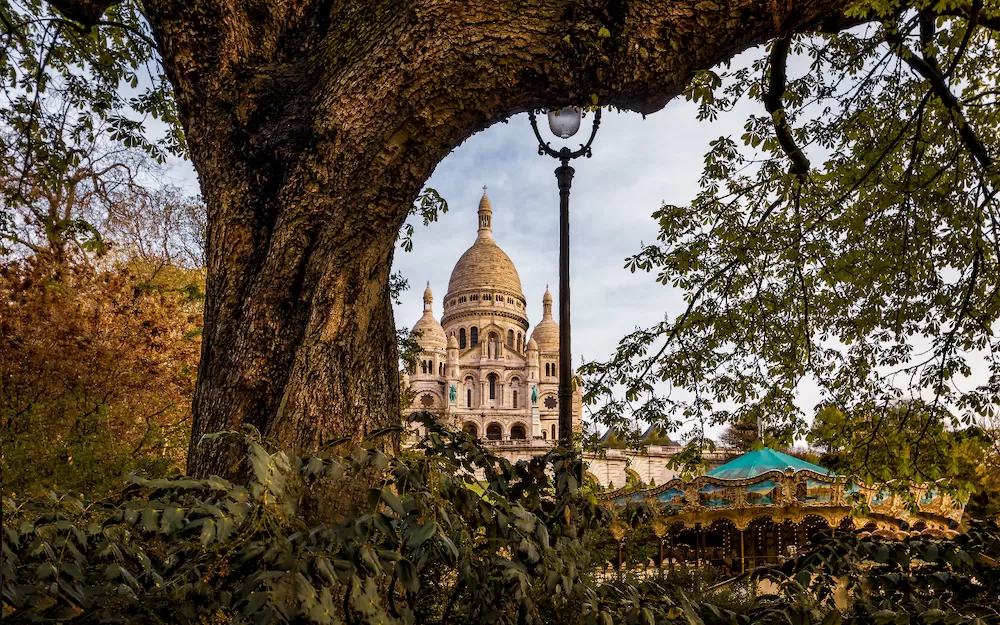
[[754, 463]]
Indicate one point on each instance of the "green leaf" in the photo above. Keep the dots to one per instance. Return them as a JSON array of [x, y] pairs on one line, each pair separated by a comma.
[[417, 535], [833, 618], [408, 575], [392, 500]]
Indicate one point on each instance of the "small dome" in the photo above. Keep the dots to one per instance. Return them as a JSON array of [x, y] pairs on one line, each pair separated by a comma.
[[532, 345], [546, 333], [431, 333], [452, 342]]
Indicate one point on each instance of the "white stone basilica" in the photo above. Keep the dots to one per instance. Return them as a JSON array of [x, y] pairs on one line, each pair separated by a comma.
[[479, 370]]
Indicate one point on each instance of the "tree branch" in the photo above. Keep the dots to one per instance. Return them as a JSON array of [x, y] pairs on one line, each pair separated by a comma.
[[926, 65], [772, 102], [85, 12], [968, 12]]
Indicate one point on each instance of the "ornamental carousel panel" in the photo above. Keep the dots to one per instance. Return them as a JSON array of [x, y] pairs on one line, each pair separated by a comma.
[[772, 485]]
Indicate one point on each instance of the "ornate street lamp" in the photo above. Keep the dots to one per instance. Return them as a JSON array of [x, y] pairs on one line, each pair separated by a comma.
[[564, 123]]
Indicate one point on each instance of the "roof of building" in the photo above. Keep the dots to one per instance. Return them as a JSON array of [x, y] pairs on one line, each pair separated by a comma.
[[754, 463], [431, 333], [657, 436], [546, 333], [484, 265]]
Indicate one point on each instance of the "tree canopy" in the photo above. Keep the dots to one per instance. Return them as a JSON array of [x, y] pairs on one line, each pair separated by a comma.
[[848, 239]]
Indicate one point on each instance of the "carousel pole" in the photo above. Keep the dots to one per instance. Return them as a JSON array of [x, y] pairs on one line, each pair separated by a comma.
[[697, 545], [743, 560], [777, 541], [671, 552]]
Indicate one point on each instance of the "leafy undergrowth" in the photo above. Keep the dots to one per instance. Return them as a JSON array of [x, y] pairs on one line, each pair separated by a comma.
[[426, 545]]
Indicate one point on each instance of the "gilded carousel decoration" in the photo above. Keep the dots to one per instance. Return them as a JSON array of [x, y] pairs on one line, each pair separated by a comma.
[[765, 504]]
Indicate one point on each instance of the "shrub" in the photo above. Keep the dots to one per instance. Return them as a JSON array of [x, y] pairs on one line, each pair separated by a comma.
[[97, 370], [427, 542]]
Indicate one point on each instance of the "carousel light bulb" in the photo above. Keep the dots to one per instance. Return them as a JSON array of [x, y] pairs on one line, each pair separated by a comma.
[[565, 122]]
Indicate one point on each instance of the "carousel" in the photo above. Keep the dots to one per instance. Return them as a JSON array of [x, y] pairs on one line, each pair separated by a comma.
[[765, 505]]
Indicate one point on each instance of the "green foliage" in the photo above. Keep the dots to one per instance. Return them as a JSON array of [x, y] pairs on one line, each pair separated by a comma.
[[691, 460], [75, 108], [424, 547], [425, 543], [873, 272], [107, 73], [429, 205], [914, 581], [908, 442]]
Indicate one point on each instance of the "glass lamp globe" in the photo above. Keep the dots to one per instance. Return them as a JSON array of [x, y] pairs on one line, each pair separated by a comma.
[[565, 122]]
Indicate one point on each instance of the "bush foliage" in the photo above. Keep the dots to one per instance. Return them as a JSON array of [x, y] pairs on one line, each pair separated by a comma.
[[426, 542], [97, 370]]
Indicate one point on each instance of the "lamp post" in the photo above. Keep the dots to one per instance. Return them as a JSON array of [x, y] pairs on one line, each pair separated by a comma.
[[564, 123]]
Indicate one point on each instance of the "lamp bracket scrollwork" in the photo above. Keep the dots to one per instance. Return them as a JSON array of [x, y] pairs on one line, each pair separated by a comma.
[[565, 154]]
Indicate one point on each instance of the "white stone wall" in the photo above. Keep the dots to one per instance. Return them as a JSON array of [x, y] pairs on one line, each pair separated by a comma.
[[609, 468]]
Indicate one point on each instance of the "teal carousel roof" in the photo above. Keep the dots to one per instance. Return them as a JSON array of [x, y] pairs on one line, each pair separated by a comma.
[[754, 463]]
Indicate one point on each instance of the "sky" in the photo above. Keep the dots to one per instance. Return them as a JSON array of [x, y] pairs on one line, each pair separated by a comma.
[[637, 166]]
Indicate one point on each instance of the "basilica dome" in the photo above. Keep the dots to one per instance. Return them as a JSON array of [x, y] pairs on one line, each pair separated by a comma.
[[431, 333], [484, 265], [546, 333]]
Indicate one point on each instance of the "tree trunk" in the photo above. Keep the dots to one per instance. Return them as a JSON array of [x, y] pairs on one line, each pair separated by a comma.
[[313, 127]]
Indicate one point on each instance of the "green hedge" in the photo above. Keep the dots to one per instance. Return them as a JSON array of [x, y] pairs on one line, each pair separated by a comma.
[[422, 543]]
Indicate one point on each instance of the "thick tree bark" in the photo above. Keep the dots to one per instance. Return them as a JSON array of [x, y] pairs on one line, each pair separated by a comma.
[[313, 127]]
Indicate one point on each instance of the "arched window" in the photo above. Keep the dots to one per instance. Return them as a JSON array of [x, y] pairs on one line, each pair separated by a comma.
[[546, 369], [545, 435], [423, 366], [520, 347], [441, 369], [493, 385], [468, 397], [473, 336], [517, 432], [553, 431], [515, 399], [510, 338], [461, 338], [494, 432]]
